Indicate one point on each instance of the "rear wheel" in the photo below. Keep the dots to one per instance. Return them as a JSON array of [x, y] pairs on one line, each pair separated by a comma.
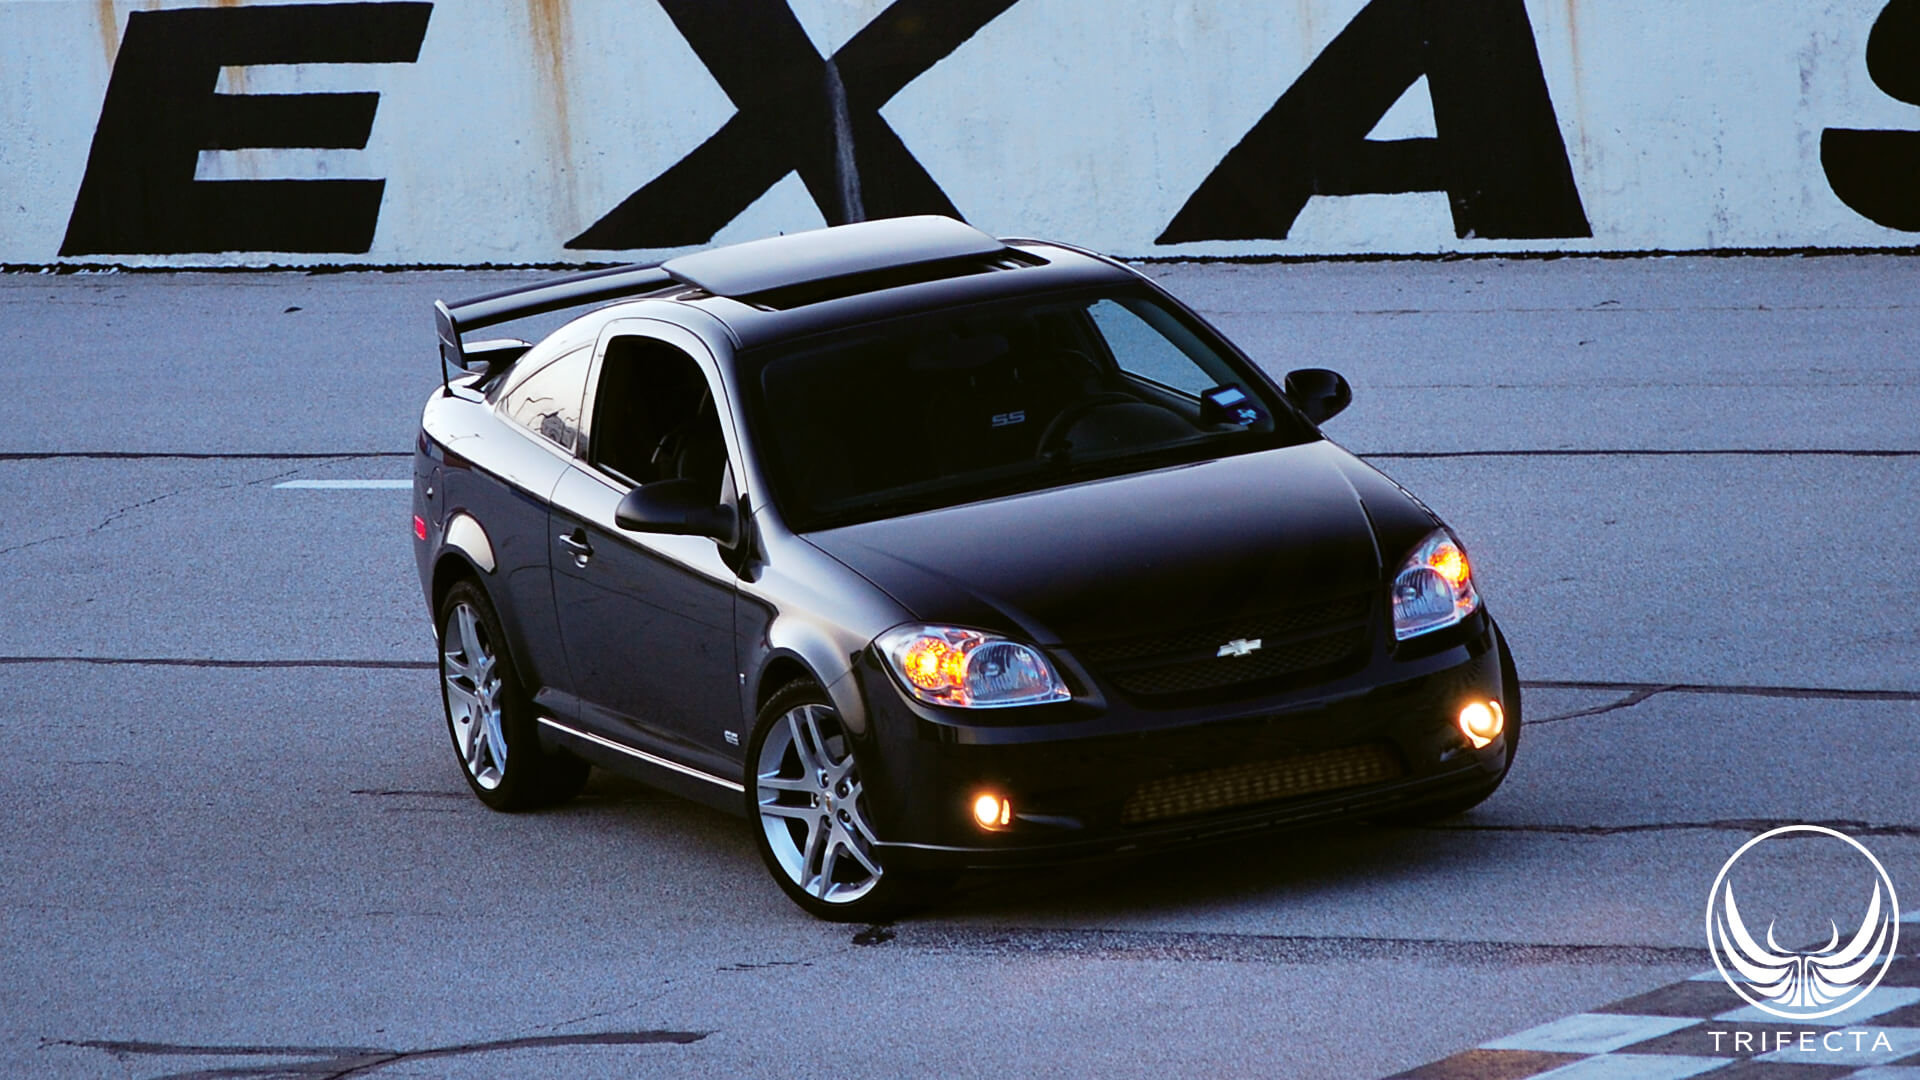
[[812, 821], [488, 715]]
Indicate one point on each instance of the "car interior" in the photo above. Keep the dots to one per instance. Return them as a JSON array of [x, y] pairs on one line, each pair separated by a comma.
[[654, 417], [971, 396]]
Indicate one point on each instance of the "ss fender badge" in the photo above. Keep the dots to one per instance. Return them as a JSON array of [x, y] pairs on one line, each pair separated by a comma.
[[1239, 647]]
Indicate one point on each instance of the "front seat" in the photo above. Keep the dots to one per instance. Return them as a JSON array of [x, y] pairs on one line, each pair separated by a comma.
[[699, 452]]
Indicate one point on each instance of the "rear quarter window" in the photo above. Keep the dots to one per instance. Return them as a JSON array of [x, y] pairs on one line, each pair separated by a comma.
[[548, 401]]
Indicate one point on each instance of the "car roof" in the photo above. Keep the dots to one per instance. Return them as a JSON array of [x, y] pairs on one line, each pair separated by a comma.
[[1050, 269], [802, 284]]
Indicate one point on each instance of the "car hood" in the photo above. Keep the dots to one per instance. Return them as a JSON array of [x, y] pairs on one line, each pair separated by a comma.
[[1151, 551]]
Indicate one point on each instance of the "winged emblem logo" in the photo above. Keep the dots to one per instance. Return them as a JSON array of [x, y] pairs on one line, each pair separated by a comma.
[[1803, 984]]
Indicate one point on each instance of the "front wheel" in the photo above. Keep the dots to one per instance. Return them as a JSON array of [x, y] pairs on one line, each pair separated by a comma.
[[488, 715], [812, 822]]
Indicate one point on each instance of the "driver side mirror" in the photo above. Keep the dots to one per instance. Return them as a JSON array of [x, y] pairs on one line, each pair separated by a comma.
[[677, 508], [1319, 393]]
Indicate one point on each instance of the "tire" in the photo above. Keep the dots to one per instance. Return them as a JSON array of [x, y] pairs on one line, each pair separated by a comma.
[[810, 818], [1455, 805], [489, 716]]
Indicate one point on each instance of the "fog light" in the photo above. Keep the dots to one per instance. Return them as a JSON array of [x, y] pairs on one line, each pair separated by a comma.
[[1482, 722], [990, 811]]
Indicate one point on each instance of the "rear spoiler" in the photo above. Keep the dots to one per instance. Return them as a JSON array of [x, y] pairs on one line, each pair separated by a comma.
[[592, 287]]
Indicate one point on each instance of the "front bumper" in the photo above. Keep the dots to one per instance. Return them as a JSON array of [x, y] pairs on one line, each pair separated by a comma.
[[1077, 782]]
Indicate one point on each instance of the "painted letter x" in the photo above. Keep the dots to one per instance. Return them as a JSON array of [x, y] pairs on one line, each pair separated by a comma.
[[796, 112]]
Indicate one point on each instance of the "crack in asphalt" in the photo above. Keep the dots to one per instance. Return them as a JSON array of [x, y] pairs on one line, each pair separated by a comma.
[[1190, 946], [666, 987], [116, 515], [1636, 693], [1750, 826], [111, 517], [1628, 702], [339, 1062], [764, 965], [1738, 689]]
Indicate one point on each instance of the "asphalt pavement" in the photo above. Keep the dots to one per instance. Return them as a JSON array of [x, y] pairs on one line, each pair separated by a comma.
[[236, 842]]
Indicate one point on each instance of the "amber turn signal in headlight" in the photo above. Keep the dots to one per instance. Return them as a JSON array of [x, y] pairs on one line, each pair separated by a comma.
[[1482, 722], [1449, 562], [1434, 588], [945, 665], [932, 663]]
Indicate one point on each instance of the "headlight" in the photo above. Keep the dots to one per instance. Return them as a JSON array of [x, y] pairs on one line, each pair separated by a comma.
[[944, 665], [1434, 588]]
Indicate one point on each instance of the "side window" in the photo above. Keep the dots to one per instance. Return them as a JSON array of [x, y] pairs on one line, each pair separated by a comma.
[[654, 417], [1149, 352], [548, 401]]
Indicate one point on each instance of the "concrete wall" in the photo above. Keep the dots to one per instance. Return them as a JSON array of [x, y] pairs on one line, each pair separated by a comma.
[[534, 131]]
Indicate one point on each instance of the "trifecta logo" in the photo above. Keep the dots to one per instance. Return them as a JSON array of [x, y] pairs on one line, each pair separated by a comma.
[[1803, 984]]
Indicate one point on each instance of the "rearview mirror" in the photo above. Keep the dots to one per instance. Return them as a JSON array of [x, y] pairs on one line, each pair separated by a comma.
[[677, 508], [1319, 393]]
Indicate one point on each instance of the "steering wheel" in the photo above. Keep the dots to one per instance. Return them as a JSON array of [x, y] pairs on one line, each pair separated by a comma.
[[1063, 421]]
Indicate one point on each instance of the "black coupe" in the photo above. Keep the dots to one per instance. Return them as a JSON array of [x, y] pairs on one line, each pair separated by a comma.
[[928, 551]]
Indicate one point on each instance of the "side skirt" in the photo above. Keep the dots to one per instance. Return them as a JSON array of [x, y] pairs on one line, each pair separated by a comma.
[[652, 769]]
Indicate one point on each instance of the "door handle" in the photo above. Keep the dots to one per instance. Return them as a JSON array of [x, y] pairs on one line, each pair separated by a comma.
[[576, 542]]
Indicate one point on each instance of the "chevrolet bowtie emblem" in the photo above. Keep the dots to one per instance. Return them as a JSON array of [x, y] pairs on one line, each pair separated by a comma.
[[1239, 647]]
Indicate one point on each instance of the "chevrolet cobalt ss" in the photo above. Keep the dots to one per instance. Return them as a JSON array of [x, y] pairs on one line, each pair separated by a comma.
[[927, 551]]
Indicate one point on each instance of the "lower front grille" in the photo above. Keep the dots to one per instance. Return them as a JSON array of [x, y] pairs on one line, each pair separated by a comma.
[[1264, 781]]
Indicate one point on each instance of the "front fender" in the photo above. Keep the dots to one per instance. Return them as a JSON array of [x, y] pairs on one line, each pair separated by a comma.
[[796, 647]]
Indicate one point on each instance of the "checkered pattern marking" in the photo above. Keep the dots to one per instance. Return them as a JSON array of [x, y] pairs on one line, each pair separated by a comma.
[[1666, 1034]]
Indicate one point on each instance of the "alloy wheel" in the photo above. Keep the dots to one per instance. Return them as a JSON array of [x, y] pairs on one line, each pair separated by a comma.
[[812, 806], [472, 673]]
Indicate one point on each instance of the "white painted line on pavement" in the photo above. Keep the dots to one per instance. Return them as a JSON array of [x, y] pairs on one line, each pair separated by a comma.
[[345, 485], [1592, 1033]]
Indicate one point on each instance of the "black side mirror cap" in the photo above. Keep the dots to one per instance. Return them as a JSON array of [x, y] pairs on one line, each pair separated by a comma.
[[1318, 393], [677, 508]]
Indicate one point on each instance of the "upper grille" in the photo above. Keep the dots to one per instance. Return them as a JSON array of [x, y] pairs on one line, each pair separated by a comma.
[[1291, 641], [1262, 781]]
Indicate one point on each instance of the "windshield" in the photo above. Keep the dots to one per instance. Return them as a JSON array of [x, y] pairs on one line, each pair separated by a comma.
[[959, 406]]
